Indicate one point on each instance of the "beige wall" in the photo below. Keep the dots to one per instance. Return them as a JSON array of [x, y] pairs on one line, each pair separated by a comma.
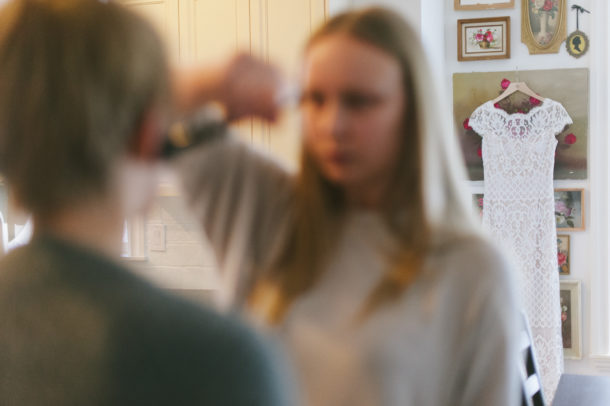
[[205, 31]]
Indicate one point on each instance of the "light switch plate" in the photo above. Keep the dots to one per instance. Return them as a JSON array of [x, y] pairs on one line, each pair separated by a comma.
[[156, 237]]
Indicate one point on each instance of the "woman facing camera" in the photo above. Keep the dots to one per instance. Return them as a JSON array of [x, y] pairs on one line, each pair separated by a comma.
[[367, 263]]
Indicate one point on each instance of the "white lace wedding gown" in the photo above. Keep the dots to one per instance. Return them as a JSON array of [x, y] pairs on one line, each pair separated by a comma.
[[519, 211]]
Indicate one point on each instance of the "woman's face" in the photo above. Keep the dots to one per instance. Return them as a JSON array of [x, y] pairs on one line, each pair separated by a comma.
[[352, 107]]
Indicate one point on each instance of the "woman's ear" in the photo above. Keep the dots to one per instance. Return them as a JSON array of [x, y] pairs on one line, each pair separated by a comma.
[[147, 137]]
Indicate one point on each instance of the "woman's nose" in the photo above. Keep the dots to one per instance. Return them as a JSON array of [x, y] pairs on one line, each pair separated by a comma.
[[334, 120]]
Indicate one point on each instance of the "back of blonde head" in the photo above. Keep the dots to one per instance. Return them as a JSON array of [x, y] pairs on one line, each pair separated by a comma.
[[427, 206], [77, 76]]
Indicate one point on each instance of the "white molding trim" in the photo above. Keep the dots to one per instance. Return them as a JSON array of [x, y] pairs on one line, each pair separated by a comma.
[[597, 305], [601, 363], [136, 231]]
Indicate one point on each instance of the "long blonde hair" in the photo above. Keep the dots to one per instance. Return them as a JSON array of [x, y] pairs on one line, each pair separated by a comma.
[[425, 206]]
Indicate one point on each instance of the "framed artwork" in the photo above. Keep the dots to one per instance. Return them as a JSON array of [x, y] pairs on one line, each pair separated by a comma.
[[482, 4], [484, 38], [543, 25], [563, 254], [569, 297], [570, 209], [477, 202], [570, 87], [577, 44]]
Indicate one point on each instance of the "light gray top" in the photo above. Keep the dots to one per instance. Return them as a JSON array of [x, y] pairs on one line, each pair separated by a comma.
[[449, 340]]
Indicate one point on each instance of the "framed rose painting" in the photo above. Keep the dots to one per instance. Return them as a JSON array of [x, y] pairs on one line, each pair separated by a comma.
[[570, 209], [563, 254], [482, 4], [569, 297], [484, 38], [477, 202]]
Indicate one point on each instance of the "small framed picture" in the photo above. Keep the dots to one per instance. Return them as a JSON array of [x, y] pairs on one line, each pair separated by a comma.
[[563, 254], [543, 25], [570, 209], [482, 4], [484, 38], [477, 202], [569, 296]]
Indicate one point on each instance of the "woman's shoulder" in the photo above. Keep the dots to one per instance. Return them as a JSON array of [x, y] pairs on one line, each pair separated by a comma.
[[472, 259]]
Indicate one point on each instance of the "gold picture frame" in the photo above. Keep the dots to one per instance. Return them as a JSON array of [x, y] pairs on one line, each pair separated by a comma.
[[498, 46], [543, 25], [570, 209], [571, 324], [483, 5], [563, 254]]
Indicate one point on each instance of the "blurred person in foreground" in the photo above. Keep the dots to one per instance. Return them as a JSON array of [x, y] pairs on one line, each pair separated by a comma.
[[367, 263], [84, 94]]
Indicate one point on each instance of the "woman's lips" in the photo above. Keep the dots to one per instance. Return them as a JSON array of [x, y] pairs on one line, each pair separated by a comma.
[[339, 157]]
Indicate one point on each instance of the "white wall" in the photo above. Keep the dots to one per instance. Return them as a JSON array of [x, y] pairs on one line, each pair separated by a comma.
[[186, 263], [432, 37], [589, 261]]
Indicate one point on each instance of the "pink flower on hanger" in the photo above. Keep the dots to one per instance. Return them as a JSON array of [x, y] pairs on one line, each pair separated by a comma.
[[466, 124], [480, 152], [570, 139], [505, 83], [534, 101], [497, 105]]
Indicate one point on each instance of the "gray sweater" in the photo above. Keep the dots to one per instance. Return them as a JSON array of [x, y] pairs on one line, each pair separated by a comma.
[[449, 340], [78, 329]]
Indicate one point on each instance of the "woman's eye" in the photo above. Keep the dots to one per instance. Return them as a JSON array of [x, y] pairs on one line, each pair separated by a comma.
[[357, 101], [313, 98]]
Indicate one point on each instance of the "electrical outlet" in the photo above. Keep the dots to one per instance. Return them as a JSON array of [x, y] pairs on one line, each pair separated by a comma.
[[156, 237]]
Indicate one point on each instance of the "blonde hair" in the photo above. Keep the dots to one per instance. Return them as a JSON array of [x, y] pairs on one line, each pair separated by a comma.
[[425, 208], [77, 76]]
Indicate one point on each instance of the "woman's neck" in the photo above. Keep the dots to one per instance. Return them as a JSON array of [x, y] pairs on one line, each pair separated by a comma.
[[368, 196], [95, 225]]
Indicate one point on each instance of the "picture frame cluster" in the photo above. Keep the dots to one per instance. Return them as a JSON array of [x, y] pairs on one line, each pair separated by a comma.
[[543, 28]]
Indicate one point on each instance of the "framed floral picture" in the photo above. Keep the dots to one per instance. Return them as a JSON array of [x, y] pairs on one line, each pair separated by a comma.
[[484, 38], [563, 254], [477, 202], [482, 4], [569, 298], [570, 209], [543, 25]]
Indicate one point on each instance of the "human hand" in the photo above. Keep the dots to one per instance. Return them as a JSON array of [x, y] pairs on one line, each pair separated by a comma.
[[244, 85], [250, 87]]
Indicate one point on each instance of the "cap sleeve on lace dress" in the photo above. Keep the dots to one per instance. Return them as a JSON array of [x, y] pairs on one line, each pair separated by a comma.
[[559, 118], [479, 121]]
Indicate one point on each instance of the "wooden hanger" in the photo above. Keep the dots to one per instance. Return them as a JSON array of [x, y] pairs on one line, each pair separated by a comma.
[[518, 87]]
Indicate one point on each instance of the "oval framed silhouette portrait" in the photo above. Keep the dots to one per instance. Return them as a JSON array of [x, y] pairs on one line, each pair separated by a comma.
[[543, 25], [577, 44]]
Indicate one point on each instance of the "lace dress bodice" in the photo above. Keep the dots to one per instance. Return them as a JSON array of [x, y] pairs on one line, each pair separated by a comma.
[[518, 209]]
